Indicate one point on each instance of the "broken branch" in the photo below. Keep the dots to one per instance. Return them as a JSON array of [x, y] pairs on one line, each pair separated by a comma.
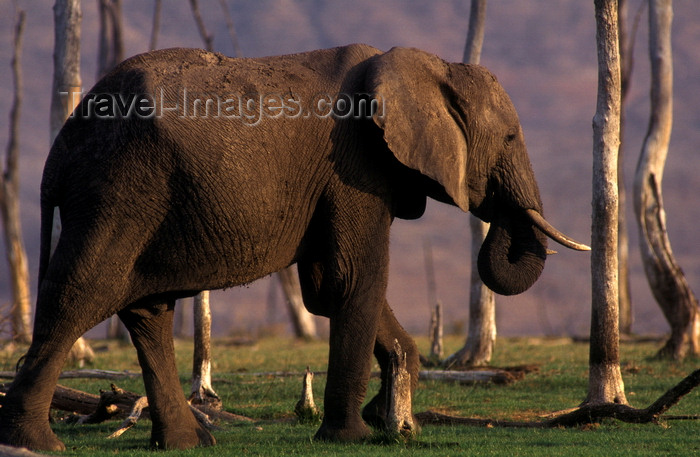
[[586, 414], [132, 418]]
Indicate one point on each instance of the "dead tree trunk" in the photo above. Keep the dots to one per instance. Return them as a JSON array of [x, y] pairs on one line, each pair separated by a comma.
[[110, 53], [157, 7], [202, 390], [206, 36], [605, 379], [66, 92], [20, 312], [231, 29], [481, 336], [625, 299], [475, 35], [201, 300], [666, 279], [111, 44], [436, 332], [302, 321]]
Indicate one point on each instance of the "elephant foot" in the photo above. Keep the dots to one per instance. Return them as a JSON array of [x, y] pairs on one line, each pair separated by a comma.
[[182, 438], [375, 414], [37, 437], [355, 431]]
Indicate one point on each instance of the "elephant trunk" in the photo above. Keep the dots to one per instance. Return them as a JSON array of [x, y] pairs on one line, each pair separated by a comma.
[[513, 254]]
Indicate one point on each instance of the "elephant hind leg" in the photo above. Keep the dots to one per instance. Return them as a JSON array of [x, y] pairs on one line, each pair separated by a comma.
[[24, 415], [174, 425], [63, 314]]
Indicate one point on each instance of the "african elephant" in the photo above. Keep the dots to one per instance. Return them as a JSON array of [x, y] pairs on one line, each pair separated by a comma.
[[185, 170]]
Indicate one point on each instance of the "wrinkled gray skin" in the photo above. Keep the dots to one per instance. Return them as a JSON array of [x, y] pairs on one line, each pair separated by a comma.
[[160, 208]]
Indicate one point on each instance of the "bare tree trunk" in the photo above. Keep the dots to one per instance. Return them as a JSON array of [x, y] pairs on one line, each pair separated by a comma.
[[111, 44], [9, 205], [201, 300], [435, 331], [66, 90], [481, 336], [303, 321], [231, 29], [201, 365], [605, 378], [625, 298], [157, 7], [202, 390], [436, 346], [627, 41], [475, 35], [110, 53], [206, 36], [666, 279]]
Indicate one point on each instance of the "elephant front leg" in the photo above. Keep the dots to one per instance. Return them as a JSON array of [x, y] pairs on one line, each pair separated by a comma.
[[376, 411], [351, 342], [174, 425], [345, 272]]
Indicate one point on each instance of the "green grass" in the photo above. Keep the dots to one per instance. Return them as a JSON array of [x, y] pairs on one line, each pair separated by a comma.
[[560, 383]]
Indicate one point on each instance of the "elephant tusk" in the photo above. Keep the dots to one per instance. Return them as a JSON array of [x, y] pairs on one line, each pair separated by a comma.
[[542, 224], [551, 252]]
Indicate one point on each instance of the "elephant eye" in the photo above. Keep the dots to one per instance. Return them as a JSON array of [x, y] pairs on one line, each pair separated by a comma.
[[510, 138]]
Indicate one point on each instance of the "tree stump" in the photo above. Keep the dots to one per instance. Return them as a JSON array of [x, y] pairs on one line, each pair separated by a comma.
[[306, 409], [399, 421]]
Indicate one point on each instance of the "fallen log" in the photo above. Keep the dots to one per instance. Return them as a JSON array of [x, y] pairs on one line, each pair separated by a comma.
[[9, 451], [468, 377], [115, 403], [479, 375], [85, 374], [585, 414]]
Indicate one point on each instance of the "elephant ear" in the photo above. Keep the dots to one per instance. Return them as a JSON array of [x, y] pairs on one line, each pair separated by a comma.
[[420, 126]]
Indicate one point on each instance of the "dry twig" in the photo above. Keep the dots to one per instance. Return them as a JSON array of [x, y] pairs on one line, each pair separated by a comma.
[[132, 418]]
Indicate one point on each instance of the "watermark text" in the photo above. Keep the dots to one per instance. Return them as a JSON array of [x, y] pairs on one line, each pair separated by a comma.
[[250, 108]]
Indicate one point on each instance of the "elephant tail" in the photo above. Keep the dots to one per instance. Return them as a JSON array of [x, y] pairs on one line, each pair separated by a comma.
[[51, 192], [47, 224]]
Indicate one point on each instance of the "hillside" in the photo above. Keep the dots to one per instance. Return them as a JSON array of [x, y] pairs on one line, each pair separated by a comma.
[[544, 55]]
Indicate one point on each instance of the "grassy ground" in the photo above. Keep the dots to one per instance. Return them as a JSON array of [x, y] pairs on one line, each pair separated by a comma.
[[560, 383]]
